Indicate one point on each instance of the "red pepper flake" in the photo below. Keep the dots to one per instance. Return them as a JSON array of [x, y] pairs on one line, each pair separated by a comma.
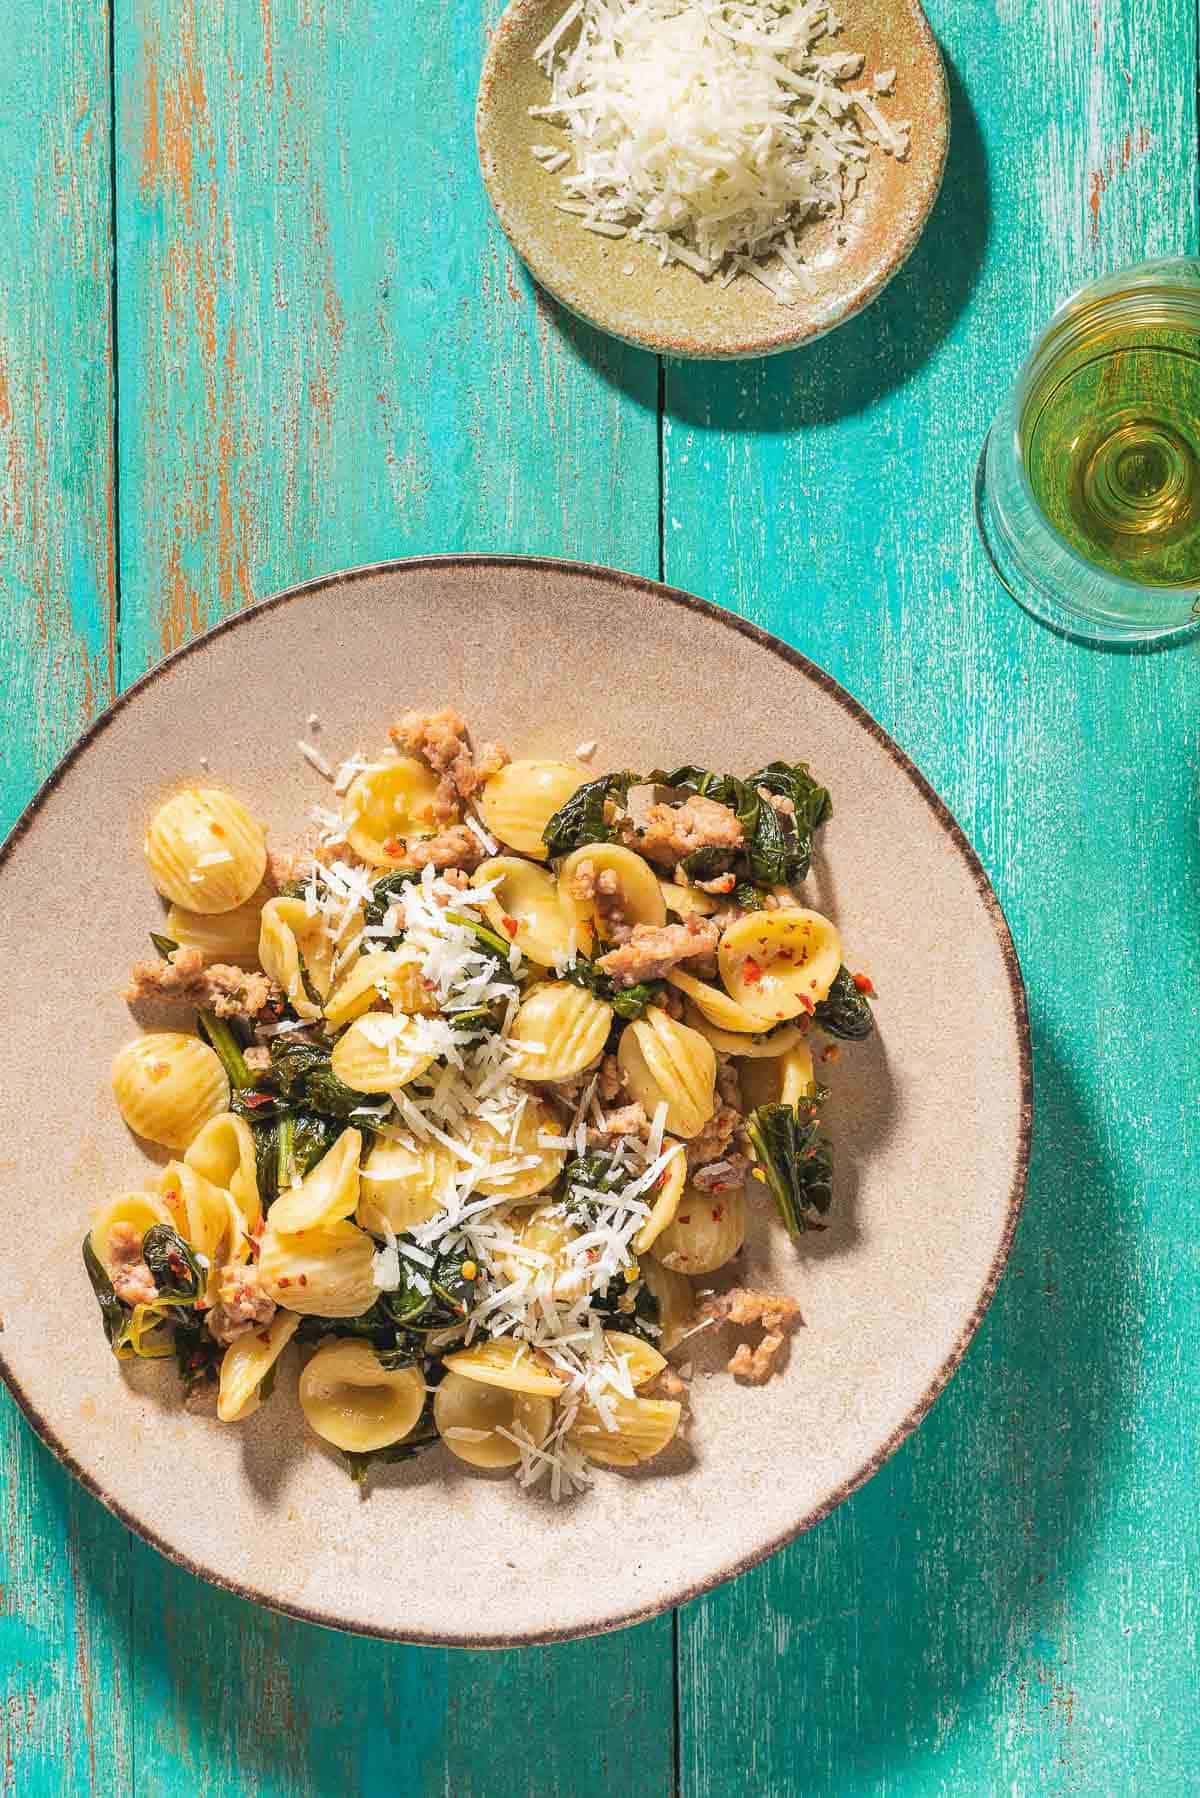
[[831, 1053], [284, 1281], [718, 1213], [304, 1279], [865, 984], [394, 846], [254, 1100], [172, 1195], [687, 1219], [264, 1336], [806, 1002], [751, 971], [510, 924]]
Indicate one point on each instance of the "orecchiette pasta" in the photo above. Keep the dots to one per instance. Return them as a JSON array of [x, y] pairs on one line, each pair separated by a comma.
[[327, 1194], [387, 804], [514, 1164], [637, 895], [167, 1086], [139, 1210], [525, 906], [519, 801], [246, 1364], [666, 1196], [205, 852], [641, 1428], [716, 1007], [707, 1231], [228, 936], [295, 950], [470, 1417], [779, 964], [559, 1030], [403, 1185], [642, 1362], [769, 1045], [224, 1153], [381, 1052], [506, 1363], [320, 1273], [664, 1061], [783, 1080], [353, 1401], [484, 1117], [383, 976], [675, 1298]]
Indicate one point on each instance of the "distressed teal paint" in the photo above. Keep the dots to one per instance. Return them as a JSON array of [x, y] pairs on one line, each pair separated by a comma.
[[326, 354]]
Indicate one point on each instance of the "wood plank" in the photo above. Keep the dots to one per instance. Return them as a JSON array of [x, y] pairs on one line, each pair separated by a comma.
[[327, 356], [63, 1561], [1008, 1606]]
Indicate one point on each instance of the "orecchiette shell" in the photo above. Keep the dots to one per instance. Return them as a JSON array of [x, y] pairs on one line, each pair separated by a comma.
[[385, 805], [224, 1153], [401, 1187], [500, 1178], [382, 976], [666, 1196], [380, 1052], [525, 908], [769, 1045], [327, 1194], [783, 1080], [643, 1362], [140, 1210], [167, 1086], [638, 895], [246, 1364], [779, 964], [207, 1217], [687, 902], [519, 802], [205, 851], [506, 1363], [322, 1273], [349, 1399], [662, 1060], [708, 1230], [643, 1428], [560, 1029], [539, 1249], [229, 936], [676, 1300], [296, 951], [716, 1007], [470, 1416]]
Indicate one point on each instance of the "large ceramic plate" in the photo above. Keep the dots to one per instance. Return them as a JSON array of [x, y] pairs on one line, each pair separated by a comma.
[[930, 1119]]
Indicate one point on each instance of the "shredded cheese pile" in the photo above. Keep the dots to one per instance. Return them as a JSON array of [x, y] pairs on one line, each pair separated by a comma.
[[710, 129]]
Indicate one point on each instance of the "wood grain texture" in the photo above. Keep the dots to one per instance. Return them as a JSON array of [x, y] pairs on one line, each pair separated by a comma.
[[64, 1725], [1010, 1606]]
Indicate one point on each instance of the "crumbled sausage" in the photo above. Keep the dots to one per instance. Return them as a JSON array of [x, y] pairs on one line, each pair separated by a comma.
[[183, 978], [709, 1152], [741, 1306], [241, 1304], [601, 890], [610, 1082], [441, 740], [630, 1120], [669, 832], [131, 1279], [652, 950], [723, 1175], [451, 850]]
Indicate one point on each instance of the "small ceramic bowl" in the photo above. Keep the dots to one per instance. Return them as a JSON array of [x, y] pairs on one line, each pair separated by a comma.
[[672, 310]]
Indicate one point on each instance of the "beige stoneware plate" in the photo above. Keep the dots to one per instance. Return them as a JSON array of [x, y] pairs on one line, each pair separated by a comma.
[[672, 310], [930, 1119]]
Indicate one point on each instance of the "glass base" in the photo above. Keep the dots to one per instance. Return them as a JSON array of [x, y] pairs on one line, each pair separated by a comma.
[[1118, 613]]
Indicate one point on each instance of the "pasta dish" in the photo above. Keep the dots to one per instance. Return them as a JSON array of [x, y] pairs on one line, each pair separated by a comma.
[[469, 1098]]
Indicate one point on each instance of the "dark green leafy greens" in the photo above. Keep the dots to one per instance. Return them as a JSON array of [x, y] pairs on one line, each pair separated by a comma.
[[795, 1160], [113, 1313], [581, 819], [628, 1001], [423, 1435], [173, 1266], [778, 843], [221, 1036], [846, 1011]]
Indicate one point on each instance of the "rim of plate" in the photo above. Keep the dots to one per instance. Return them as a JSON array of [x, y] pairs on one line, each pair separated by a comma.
[[1016, 1197]]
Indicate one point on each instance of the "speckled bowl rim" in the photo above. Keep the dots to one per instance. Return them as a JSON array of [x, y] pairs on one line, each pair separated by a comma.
[[953, 832], [662, 343]]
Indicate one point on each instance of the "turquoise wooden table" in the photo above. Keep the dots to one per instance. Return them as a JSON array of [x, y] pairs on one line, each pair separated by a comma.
[[256, 323]]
